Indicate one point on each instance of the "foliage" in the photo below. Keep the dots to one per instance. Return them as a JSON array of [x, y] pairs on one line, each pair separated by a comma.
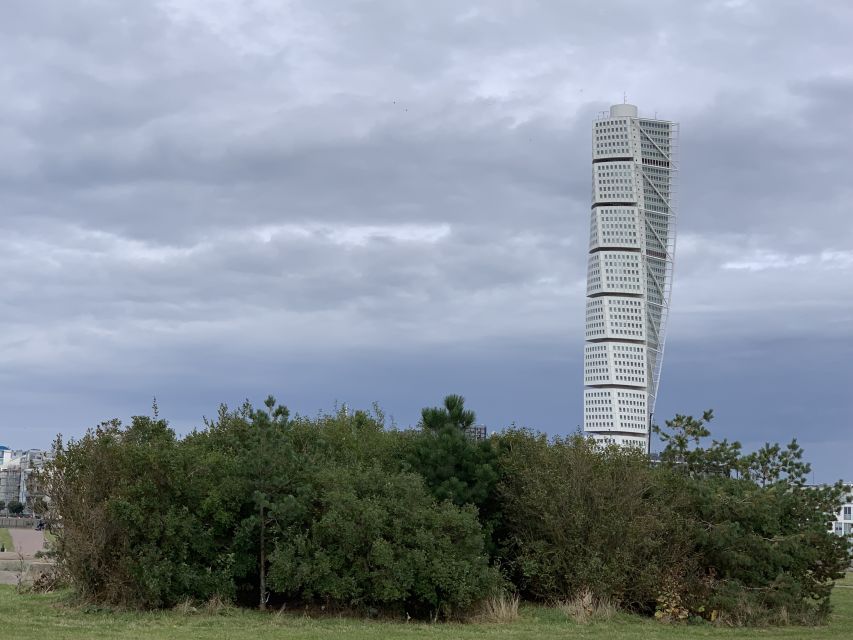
[[453, 413], [381, 541], [129, 534], [15, 507], [772, 464], [760, 535], [341, 511], [454, 466], [149, 520], [767, 548], [683, 450], [580, 519], [38, 505]]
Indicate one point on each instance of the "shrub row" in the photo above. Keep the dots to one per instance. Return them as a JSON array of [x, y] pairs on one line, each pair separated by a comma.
[[263, 508]]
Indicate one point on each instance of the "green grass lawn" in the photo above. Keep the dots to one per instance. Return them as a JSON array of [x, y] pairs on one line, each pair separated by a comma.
[[49, 538], [6, 540], [46, 616]]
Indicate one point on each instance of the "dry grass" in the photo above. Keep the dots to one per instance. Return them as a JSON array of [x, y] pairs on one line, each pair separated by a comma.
[[747, 616], [217, 605], [185, 607], [585, 608], [501, 609]]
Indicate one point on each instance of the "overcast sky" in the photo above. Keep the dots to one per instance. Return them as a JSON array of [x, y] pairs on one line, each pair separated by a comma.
[[389, 201]]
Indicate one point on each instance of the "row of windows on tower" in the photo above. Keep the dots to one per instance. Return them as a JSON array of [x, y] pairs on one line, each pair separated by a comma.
[[625, 304], [612, 148], [620, 259], [612, 221], [595, 285], [618, 169], [612, 193], [651, 151], [634, 398], [611, 126], [625, 351], [605, 224], [596, 314], [607, 420], [597, 330], [661, 136], [615, 237], [598, 406], [656, 192], [612, 136], [652, 195], [657, 173], [610, 393], [659, 207]]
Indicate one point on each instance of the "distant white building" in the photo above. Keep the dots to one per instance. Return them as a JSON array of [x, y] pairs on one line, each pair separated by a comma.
[[629, 272], [17, 474], [844, 523], [476, 432]]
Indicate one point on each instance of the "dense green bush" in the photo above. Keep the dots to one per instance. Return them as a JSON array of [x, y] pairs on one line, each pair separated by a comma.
[[580, 519], [759, 535], [765, 550], [15, 507], [453, 466], [380, 540], [342, 511], [130, 533], [148, 520]]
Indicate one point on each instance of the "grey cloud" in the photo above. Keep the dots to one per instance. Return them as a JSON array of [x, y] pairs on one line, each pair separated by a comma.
[[190, 185]]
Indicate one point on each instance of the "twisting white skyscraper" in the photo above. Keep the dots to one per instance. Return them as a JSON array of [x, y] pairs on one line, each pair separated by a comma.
[[629, 277]]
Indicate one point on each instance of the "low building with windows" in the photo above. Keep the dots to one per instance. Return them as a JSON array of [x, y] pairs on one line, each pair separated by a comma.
[[844, 523], [476, 432]]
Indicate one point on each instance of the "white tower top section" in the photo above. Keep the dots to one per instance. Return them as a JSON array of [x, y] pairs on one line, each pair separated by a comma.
[[623, 111]]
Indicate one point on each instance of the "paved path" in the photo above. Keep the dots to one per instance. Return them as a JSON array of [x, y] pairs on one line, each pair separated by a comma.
[[27, 541]]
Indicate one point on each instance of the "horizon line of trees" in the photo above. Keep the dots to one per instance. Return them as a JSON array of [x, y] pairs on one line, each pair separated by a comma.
[[263, 508]]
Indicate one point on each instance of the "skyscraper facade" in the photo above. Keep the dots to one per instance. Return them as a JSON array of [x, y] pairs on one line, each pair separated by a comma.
[[629, 273]]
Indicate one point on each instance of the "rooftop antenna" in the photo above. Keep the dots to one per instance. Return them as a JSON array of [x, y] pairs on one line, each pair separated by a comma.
[[624, 97]]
